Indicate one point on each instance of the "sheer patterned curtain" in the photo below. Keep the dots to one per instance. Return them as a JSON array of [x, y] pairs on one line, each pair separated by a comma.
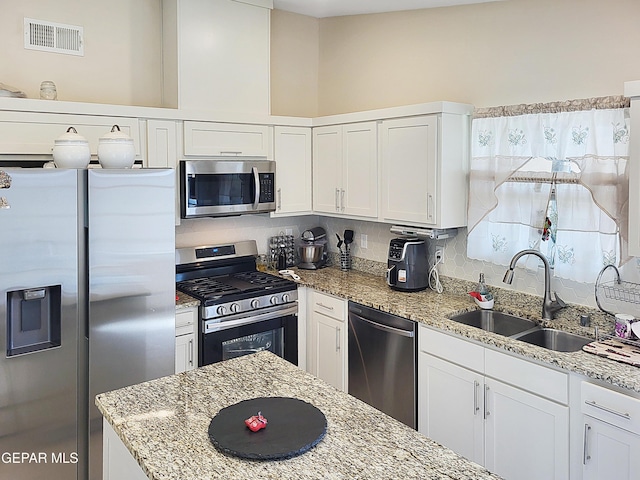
[[551, 177]]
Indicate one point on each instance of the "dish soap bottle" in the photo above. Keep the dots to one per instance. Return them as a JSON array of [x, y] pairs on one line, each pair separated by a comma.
[[483, 290]]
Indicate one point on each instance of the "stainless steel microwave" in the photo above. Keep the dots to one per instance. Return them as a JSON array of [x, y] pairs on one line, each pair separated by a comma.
[[219, 188]]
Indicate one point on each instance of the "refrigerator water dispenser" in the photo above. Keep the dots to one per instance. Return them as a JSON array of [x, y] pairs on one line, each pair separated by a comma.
[[33, 319]]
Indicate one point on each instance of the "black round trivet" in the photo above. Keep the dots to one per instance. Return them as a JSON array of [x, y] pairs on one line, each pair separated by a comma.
[[293, 428]]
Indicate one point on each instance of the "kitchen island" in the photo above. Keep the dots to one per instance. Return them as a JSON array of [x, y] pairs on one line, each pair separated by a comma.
[[164, 426]]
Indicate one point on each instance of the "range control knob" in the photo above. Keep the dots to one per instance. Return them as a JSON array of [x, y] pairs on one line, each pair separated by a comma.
[[221, 310], [255, 303], [273, 300], [234, 307], [286, 298]]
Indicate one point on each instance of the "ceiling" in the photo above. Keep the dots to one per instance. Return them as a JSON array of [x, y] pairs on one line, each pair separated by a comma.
[[337, 8]]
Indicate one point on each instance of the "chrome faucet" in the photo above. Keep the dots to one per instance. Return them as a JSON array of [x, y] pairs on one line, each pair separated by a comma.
[[549, 306]]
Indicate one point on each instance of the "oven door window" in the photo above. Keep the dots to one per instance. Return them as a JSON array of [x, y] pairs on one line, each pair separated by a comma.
[[272, 340], [221, 189], [278, 335]]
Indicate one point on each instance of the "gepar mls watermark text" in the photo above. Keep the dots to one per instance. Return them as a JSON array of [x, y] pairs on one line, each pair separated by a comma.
[[39, 457]]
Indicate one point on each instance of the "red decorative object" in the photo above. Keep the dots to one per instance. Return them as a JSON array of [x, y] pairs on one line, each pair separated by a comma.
[[256, 422]]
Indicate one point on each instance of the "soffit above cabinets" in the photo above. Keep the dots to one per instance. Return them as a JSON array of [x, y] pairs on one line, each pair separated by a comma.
[[337, 8]]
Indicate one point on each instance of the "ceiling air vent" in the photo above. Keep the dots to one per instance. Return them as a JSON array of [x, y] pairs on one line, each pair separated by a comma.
[[53, 37]]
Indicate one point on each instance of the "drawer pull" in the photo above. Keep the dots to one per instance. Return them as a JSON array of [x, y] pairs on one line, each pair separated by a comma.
[[592, 403], [324, 306]]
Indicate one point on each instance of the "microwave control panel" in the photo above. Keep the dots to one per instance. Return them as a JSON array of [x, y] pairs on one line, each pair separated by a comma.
[[267, 187]]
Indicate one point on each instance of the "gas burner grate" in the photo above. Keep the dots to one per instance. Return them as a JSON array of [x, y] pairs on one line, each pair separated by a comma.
[[206, 287], [261, 279]]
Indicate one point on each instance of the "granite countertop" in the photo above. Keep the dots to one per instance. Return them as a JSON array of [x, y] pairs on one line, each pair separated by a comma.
[[433, 309], [164, 425], [184, 301]]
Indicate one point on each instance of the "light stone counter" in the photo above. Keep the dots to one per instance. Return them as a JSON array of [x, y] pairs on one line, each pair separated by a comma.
[[184, 301], [163, 423], [433, 309]]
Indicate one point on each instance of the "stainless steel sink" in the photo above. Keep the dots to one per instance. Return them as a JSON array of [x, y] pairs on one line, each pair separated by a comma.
[[496, 322], [552, 339]]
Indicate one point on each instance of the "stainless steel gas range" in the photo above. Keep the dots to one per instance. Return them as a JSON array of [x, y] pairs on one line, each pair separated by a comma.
[[242, 310]]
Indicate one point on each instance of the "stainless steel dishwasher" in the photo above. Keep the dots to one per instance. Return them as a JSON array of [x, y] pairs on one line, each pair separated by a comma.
[[383, 362]]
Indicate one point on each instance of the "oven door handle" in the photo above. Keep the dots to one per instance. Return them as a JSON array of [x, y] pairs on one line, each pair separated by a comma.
[[226, 324]]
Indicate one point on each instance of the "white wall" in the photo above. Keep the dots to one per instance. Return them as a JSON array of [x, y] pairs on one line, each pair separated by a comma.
[[122, 45], [499, 53]]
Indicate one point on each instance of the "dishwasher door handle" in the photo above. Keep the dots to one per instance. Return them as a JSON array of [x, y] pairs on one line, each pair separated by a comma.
[[384, 328]]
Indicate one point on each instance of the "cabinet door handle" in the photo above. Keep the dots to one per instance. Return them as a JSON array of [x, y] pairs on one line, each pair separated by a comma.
[[280, 199], [430, 207], [231, 152], [191, 352], [337, 339], [585, 446], [592, 403], [337, 199], [342, 200], [476, 405], [486, 401]]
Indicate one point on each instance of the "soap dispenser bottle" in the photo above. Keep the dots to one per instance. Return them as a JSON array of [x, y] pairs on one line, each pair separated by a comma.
[[482, 287]]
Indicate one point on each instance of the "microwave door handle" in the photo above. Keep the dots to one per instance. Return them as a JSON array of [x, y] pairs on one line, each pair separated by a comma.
[[256, 179]]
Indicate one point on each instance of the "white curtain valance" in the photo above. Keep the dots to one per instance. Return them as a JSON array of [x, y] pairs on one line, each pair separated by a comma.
[[582, 154]]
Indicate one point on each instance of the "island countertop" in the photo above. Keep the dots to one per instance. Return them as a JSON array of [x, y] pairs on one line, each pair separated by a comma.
[[164, 425]]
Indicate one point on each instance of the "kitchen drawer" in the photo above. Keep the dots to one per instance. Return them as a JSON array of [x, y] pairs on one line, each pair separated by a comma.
[[186, 321], [526, 375], [612, 407], [328, 305], [448, 347]]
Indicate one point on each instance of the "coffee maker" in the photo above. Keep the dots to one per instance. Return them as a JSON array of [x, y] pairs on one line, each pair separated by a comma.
[[313, 249], [407, 264]]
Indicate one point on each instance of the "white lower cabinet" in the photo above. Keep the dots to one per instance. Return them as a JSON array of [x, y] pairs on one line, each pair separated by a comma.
[[609, 451], [526, 436], [186, 340], [450, 406], [480, 403], [117, 461], [610, 434], [327, 335]]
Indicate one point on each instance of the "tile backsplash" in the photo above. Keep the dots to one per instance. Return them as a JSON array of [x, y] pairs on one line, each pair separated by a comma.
[[456, 264]]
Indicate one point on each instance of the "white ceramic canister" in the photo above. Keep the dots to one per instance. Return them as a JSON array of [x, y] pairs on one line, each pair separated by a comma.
[[116, 149], [71, 150]]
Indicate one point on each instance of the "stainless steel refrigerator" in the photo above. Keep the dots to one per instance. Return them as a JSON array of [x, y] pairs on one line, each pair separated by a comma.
[[87, 290]]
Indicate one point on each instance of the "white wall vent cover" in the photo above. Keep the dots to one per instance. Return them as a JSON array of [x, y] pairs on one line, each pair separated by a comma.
[[53, 37]]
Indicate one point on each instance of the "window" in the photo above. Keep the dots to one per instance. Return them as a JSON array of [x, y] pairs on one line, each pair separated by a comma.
[[554, 181]]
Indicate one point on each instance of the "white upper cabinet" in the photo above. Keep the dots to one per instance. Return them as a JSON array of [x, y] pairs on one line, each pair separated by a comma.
[[292, 153], [213, 139], [345, 169], [424, 170], [34, 134], [216, 55]]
